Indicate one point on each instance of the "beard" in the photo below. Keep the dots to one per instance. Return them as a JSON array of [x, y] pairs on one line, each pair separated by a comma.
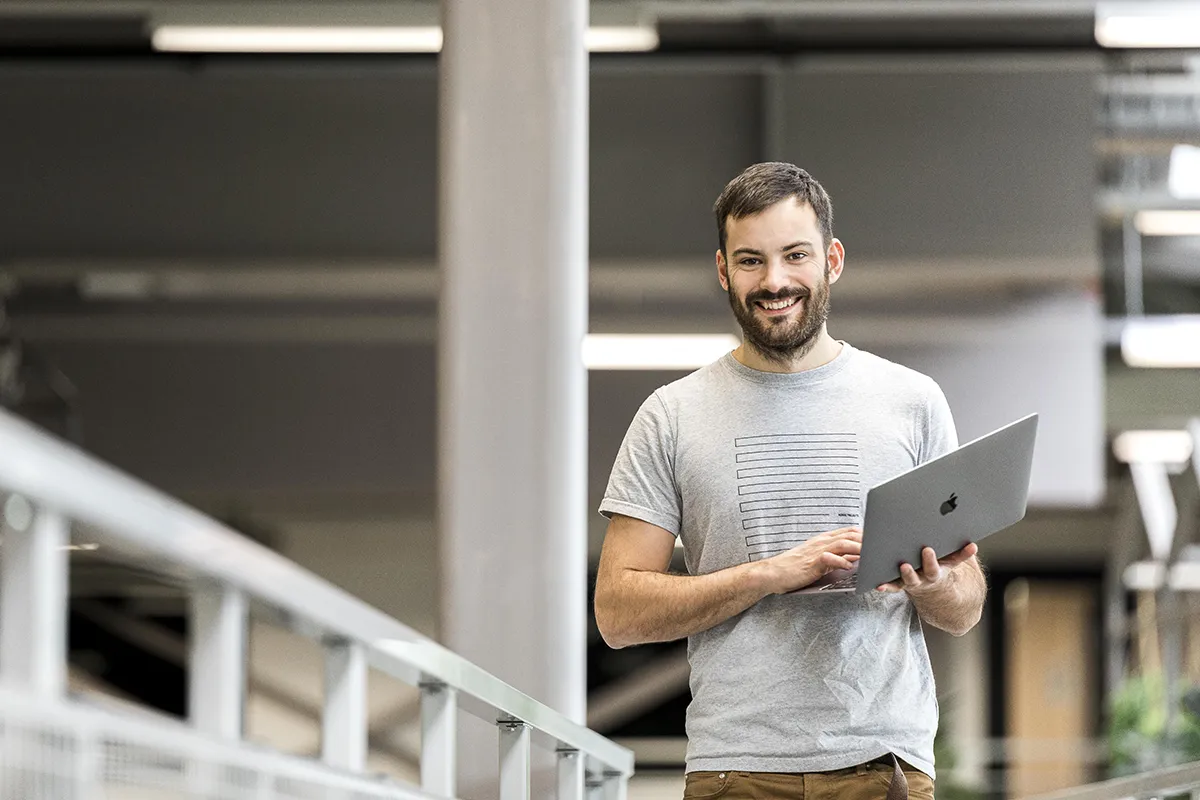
[[783, 339]]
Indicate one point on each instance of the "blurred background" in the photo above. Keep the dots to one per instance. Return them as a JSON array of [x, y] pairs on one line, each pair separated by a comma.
[[218, 272]]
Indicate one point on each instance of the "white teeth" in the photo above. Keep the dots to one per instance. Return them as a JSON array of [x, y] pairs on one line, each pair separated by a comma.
[[778, 304]]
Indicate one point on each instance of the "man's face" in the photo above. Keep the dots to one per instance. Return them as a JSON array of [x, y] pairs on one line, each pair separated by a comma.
[[778, 275]]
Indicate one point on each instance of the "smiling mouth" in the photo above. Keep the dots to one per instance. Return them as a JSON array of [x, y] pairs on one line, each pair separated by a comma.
[[778, 305]]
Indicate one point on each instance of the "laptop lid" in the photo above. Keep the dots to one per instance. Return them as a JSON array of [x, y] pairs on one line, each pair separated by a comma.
[[968, 494]]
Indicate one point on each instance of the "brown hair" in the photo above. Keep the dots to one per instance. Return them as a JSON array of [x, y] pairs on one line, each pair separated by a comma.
[[763, 185]]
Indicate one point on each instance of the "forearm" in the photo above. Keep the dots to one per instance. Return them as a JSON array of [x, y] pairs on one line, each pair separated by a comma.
[[642, 606], [956, 605]]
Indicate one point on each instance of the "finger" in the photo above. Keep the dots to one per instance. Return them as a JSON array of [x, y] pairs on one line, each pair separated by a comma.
[[909, 576], [894, 586], [846, 546], [845, 533], [929, 564], [852, 557], [959, 556], [833, 561]]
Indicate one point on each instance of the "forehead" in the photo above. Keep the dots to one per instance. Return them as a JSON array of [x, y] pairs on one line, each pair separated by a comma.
[[787, 221]]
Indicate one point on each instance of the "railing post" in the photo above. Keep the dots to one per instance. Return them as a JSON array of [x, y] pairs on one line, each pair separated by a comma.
[[439, 739], [344, 726], [515, 760], [616, 785], [265, 788], [86, 767], [33, 599], [594, 786], [570, 775], [217, 679]]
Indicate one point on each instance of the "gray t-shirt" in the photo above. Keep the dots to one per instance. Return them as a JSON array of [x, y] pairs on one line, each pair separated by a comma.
[[743, 464]]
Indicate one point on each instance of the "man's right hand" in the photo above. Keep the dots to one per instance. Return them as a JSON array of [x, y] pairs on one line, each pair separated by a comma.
[[806, 563]]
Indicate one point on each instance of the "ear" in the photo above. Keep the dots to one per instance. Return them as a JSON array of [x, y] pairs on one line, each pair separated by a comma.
[[722, 271], [836, 259]]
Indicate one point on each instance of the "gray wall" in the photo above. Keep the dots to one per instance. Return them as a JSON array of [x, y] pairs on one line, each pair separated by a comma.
[[157, 160], [974, 157], [925, 157]]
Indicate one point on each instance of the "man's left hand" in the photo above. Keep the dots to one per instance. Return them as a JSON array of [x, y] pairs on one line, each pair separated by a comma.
[[933, 571]]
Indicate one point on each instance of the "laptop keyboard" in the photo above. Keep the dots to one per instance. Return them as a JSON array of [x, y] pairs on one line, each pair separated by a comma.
[[848, 582]]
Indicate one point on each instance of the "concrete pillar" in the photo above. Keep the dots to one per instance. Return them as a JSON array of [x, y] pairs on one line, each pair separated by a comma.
[[511, 384]]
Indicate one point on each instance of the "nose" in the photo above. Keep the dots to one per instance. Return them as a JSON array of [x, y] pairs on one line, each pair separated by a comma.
[[775, 275]]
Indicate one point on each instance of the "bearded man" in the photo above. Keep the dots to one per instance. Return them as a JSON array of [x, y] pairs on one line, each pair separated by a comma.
[[758, 463]]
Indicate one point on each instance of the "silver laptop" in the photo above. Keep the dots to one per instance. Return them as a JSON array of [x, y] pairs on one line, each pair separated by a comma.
[[947, 503]]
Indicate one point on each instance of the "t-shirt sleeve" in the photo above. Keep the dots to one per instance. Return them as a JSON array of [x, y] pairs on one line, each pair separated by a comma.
[[940, 435], [642, 484]]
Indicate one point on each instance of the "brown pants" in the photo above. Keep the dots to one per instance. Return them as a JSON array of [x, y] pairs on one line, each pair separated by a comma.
[[864, 782]]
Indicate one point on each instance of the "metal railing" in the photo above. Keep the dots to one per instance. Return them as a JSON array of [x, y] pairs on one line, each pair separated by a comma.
[[50, 486], [1183, 780]]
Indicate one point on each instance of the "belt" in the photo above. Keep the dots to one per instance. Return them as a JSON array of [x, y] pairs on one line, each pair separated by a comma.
[[898, 788]]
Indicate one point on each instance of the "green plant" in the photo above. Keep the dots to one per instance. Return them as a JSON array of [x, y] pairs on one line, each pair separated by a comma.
[[1138, 737]]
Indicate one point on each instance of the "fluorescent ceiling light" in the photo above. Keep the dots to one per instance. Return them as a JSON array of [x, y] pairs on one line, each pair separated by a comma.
[[1183, 179], [1148, 576], [655, 351], [355, 39], [299, 39], [1167, 223], [621, 39], [1148, 24], [1144, 576], [1167, 341], [1153, 447]]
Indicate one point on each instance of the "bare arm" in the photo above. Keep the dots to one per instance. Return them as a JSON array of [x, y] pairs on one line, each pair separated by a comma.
[[638, 601], [947, 593]]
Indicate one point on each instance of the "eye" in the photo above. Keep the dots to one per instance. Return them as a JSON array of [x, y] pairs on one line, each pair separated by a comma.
[[796, 256], [748, 262]]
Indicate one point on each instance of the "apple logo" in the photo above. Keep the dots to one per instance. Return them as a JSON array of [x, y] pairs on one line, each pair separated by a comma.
[[950, 505]]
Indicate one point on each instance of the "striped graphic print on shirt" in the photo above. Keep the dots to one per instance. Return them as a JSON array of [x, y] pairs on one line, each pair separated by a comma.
[[792, 486]]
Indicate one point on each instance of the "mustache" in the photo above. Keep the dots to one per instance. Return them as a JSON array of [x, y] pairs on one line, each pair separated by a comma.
[[772, 297]]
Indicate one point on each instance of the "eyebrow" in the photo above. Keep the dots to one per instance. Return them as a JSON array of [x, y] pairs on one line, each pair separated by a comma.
[[750, 251]]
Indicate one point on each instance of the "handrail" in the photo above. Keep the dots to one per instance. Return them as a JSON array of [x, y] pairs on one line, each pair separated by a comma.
[[1160, 782], [90, 725], [133, 518]]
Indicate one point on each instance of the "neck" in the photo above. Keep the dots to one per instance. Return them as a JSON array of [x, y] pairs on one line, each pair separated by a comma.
[[825, 349]]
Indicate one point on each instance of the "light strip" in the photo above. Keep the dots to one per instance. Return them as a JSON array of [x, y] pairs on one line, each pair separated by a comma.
[[1183, 175], [356, 39], [1144, 576], [1148, 576], [1147, 24], [1153, 447], [1168, 341], [655, 351], [621, 39], [299, 39], [1167, 223]]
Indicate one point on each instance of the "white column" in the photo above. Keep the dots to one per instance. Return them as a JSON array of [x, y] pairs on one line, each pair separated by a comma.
[[33, 606], [512, 387]]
